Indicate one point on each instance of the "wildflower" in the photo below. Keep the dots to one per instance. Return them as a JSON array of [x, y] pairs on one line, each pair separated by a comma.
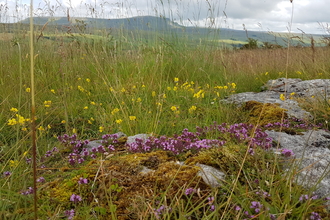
[[132, 118], [256, 206], [233, 85], [88, 80], [298, 72], [287, 152], [153, 93], [192, 109], [75, 198], [225, 87], [143, 86], [69, 213], [237, 208], [28, 89], [93, 103], [114, 111], [199, 94], [169, 88], [52, 91], [6, 173], [28, 191], [63, 122], [266, 73], [86, 107], [74, 130], [139, 100], [14, 110], [47, 103], [282, 97], [174, 108], [13, 163], [175, 88], [190, 191], [111, 89], [12, 121], [41, 128], [292, 93], [119, 121], [81, 89], [101, 129], [176, 79], [123, 90], [315, 216], [82, 181], [164, 96], [41, 179]]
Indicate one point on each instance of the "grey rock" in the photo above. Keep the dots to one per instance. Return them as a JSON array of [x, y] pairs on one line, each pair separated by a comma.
[[131, 139], [210, 175], [312, 157], [97, 143]]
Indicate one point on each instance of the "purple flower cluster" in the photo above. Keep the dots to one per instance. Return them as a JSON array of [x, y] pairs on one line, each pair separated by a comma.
[[241, 133], [315, 216], [41, 180], [82, 181], [75, 198], [190, 191], [80, 153], [293, 123], [6, 173], [28, 191], [256, 206], [69, 213], [161, 211], [287, 152]]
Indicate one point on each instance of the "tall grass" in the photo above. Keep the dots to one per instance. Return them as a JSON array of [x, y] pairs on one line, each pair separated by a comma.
[[97, 84]]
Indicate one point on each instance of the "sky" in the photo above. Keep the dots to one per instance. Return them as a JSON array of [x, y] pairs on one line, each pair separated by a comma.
[[308, 16]]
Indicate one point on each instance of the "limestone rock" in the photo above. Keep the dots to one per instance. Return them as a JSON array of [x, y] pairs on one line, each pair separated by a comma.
[[312, 156]]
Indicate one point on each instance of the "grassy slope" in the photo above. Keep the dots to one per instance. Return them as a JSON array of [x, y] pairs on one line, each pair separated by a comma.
[[92, 87]]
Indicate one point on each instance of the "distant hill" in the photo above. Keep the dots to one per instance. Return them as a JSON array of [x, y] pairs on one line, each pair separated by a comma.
[[235, 38]]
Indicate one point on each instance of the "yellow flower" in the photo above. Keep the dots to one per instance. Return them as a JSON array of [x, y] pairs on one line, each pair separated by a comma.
[[12, 121], [175, 88], [292, 93], [132, 118], [143, 86], [174, 108], [266, 73], [111, 89], [114, 111], [101, 129], [24, 129], [79, 78], [139, 100], [89, 122], [176, 79], [52, 91], [119, 121], [282, 97], [13, 163], [298, 72], [153, 93], [169, 88], [93, 103], [199, 94], [192, 109], [49, 127], [81, 89], [86, 107], [14, 110], [88, 80], [40, 128], [47, 103], [63, 121], [74, 131], [123, 90], [225, 87], [21, 119], [28, 90], [233, 85], [164, 96]]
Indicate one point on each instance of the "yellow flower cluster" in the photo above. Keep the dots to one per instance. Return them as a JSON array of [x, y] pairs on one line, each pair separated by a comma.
[[18, 120], [47, 103]]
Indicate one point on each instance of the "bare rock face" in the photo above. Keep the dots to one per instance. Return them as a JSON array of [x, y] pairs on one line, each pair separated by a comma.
[[312, 157], [288, 88]]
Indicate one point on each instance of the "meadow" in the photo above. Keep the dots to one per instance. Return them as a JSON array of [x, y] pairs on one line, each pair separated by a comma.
[[89, 89]]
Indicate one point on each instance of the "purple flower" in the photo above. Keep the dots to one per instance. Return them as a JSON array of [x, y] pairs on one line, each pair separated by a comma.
[[41, 179], [190, 191], [6, 173], [287, 152], [303, 197], [28, 191], [82, 181], [256, 206], [272, 217], [212, 208], [69, 213], [315, 216], [75, 198], [237, 208], [28, 160]]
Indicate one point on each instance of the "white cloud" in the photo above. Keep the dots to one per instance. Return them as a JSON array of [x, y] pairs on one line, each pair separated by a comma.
[[254, 14]]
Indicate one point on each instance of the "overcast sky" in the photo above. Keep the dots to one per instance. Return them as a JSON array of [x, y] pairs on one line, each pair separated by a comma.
[[309, 16]]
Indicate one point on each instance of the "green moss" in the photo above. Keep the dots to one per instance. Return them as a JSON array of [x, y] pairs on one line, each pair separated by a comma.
[[264, 113]]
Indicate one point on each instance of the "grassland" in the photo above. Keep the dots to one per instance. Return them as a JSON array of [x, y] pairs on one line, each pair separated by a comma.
[[91, 86]]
